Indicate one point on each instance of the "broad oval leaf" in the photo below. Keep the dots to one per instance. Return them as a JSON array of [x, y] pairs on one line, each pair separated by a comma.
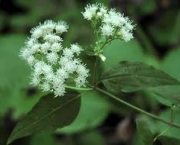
[[133, 76], [47, 115]]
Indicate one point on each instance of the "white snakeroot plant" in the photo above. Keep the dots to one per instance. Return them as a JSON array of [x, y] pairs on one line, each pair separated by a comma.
[[108, 25], [54, 67]]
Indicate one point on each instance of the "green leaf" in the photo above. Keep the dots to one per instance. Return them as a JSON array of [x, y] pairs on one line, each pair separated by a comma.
[[47, 115], [170, 63], [167, 95], [118, 50], [172, 117], [14, 86], [94, 109], [133, 76], [91, 138], [168, 140], [43, 139], [144, 132]]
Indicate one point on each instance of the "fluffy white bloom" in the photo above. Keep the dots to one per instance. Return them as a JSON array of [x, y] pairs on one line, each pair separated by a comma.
[[45, 47], [82, 71], [61, 73], [107, 30], [56, 47], [59, 91], [126, 36], [112, 22], [90, 11], [53, 66], [52, 57], [31, 60], [35, 79], [80, 81], [69, 67], [37, 33], [52, 38], [45, 87], [68, 53], [31, 42], [26, 53], [61, 27], [49, 77], [75, 48]]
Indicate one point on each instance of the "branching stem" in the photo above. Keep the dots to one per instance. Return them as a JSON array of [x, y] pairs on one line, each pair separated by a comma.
[[137, 109]]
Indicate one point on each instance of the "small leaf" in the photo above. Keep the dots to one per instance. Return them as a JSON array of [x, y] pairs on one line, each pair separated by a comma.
[[144, 132], [133, 76], [168, 140], [47, 115]]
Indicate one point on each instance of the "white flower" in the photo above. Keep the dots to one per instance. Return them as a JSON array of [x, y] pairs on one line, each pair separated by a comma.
[[53, 66], [107, 30], [35, 48], [52, 38], [52, 57], [37, 33], [45, 47], [45, 87], [126, 35], [26, 53], [81, 70], [35, 80], [39, 67], [112, 22], [117, 20], [56, 47], [57, 81], [90, 11], [31, 42], [49, 77], [128, 26], [31, 60], [75, 48], [61, 27], [68, 53], [61, 73], [63, 60], [80, 81], [69, 67], [59, 91], [47, 27]]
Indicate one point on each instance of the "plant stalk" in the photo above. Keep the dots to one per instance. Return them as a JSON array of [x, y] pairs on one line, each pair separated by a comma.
[[137, 109]]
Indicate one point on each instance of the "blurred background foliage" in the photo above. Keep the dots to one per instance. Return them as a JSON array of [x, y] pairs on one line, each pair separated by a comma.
[[100, 121]]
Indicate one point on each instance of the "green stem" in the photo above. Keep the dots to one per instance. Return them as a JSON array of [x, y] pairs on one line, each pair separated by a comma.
[[79, 89], [136, 108], [94, 72]]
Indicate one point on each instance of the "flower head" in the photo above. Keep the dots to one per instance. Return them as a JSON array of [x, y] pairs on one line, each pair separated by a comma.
[[53, 66], [111, 22]]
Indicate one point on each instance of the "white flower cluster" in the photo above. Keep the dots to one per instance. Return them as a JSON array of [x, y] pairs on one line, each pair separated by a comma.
[[54, 67], [112, 23]]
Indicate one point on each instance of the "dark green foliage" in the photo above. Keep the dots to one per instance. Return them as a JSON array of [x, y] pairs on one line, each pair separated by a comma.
[[133, 76], [145, 134], [47, 115]]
